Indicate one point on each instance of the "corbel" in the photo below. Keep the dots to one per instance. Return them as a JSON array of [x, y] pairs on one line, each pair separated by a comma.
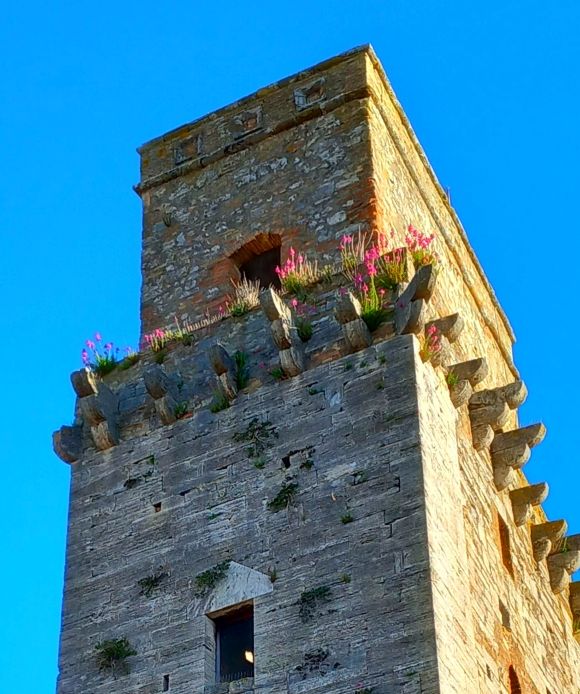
[[161, 389], [545, 536], [510, 451], [348, 312], [284, 333], [525, 498], [411, 305]]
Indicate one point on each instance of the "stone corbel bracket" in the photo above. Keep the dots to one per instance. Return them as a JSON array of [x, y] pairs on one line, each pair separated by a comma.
[[511, 450], [489, 411], [546, 536], [563, 563], [284, 333], [466, 375], [225, 369], [99, 409], [575, 605], [525, 498], [411, 306], [67, 443], [348, 313], [448, 329], [160, 388]]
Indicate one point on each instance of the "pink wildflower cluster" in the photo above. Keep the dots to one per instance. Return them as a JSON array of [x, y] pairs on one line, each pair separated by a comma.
[[157, 339], [419, 245], [303, 318], [297, 273], [431, 344], [98, 356], [293, 265]]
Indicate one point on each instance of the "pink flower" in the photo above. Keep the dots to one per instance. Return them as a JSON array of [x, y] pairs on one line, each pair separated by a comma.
[[294, 303], [109, 345], [85, 356], [90, 344], [98, 337], [292, 252]]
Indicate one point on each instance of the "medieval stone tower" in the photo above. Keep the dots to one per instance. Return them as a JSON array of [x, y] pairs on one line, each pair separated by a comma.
[[251, 512]]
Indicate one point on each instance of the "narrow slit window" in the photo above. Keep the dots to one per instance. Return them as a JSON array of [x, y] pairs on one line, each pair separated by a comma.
[[234, 634], [515, 687], [505, 546]]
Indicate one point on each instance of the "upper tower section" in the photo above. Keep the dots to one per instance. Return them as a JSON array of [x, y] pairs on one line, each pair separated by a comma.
[[320, 154], [290, 164]]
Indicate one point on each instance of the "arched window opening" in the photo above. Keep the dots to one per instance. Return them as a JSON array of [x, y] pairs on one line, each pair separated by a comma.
[[257, 260], [515, 687]]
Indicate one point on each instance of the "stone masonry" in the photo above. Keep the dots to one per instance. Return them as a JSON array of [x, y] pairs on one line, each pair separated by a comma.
[[371, 505]]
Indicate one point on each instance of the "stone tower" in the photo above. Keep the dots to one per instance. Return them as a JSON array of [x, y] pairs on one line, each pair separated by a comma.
[[251, 513]]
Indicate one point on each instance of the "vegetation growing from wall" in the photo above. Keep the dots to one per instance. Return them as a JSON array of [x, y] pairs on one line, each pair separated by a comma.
[[207, 580], [112, 653]]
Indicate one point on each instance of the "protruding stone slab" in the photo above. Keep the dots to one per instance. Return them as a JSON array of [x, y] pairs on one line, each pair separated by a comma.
[[514, 394], [348, 313], [545, 536], [481, 436], [284, 333], [160, 388], [460, 393], [84, 382], [525, 498], [495, 415], [511, 450], [225, 369], [474, 370], [410, 307], [449, 326], [561, 566], [67, 443], [273, 305], [157, 382], [292, 361]]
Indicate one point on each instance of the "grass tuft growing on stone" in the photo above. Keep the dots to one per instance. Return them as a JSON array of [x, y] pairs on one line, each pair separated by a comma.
[[207, 580], [113, 652], [284, 497]]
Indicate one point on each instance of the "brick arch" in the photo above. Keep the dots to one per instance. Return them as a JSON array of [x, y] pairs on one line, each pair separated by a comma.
[[258, 258]]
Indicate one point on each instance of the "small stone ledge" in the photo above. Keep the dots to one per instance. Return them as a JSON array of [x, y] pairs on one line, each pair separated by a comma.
[[545, 536], [284, 333], [450, 327], [67, 443], [411, 306], [160, 388], [99, 408], [348, 313], [525, 498], [511, 451], [489, 411], [463, 377], [561, 566]]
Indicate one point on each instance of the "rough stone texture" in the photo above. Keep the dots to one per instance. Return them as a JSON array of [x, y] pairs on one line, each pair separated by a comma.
[[426, 595]]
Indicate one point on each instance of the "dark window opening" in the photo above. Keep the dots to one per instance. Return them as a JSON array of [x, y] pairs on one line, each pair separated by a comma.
[[165, 683], [504, 541], [515, 687], [235, 644], [263, 268], [258, 258], [505, 615], [157, 507]]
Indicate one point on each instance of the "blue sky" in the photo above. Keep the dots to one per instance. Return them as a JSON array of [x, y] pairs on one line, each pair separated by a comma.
[[491, 91]]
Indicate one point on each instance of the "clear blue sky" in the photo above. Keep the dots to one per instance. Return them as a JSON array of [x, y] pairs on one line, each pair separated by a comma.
[[491, 90]]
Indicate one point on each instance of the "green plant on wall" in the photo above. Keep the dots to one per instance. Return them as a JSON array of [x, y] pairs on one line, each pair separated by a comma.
[[284, 497], [242, 371], [207, 580], [112, 653], [258, 435], [150, 583]]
